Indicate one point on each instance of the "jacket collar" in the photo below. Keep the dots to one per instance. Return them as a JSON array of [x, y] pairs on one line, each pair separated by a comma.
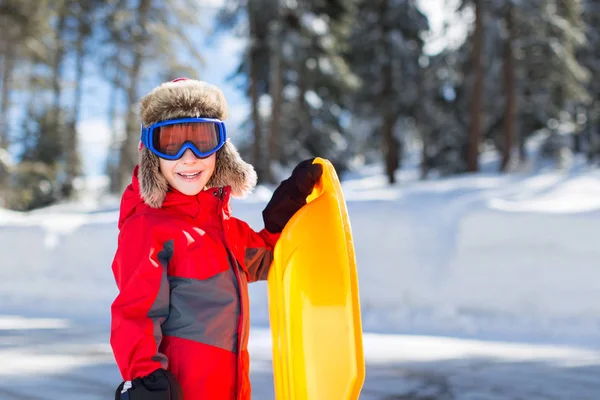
[[207, 205], [210, 200]]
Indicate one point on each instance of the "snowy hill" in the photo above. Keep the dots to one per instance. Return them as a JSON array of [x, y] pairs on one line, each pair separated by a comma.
[[503, 267]]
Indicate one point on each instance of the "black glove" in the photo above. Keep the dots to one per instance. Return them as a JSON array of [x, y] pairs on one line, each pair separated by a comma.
[[291, 195], [159, 385]]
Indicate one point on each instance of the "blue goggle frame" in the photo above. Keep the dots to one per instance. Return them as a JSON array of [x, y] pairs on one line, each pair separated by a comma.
[[147, 136]]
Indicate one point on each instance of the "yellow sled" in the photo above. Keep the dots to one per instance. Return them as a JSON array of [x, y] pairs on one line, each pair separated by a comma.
[[314, 303]]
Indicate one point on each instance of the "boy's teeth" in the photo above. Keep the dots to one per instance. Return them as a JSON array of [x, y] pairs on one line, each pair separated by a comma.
[[190, 175]]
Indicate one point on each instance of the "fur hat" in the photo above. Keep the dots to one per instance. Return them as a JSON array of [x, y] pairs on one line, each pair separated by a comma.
[[190, 98]]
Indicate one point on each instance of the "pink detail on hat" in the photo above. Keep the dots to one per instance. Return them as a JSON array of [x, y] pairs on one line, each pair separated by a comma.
[[180, 79], [140, 145]]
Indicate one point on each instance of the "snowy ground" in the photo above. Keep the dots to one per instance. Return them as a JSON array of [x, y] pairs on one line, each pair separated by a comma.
[[483, 287], [53, 359]]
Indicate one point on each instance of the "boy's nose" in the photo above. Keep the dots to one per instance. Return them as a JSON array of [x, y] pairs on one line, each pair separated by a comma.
[[189, 156]]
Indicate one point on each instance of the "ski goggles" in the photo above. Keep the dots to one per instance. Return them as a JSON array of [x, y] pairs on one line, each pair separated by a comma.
[[170, 139]]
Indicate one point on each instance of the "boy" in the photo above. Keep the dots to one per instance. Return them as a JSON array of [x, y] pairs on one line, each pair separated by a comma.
[[180, 322]]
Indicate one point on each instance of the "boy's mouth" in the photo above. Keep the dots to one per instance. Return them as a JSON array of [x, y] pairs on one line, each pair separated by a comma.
[[189, 176]]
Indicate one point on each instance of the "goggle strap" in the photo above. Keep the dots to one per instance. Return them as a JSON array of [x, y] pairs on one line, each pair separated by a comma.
[[144, 135]]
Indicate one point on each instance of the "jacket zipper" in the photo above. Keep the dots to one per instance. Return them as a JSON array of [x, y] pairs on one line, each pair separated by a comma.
[[239, 329], [241, 297]]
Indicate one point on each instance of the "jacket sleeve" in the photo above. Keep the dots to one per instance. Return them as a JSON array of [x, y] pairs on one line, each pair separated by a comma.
[[258, 250], [140, 271]]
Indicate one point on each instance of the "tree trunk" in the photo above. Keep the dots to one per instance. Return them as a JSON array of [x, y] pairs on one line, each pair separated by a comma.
[[425, 164], [7, 70], [477, 92], [71, 145], [510, 90], [256, 122], [276, 91], [57, 67], [391, 147], [577, 142], [522, 149], [255, 42], [389, 144], [591, 134], [112, 168], [305, 120], [128, 152], [421, 125]]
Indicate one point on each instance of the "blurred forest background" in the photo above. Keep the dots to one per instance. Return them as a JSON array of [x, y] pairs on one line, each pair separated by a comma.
[[348, 80]]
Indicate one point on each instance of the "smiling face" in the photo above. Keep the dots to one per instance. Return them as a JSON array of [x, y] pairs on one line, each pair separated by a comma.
[[189, 174]]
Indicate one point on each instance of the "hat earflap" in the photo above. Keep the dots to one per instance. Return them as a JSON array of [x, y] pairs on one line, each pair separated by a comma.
[[153, 184], [231, 170]]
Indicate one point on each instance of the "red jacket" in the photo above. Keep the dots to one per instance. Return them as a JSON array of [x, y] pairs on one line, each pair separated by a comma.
[[182, 273]]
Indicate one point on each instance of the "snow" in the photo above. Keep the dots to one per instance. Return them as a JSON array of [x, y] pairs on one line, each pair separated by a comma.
[[313, 99], [94, 134], [5, 158], [314, 23], [578, 194], [474, 287], [448, 25]]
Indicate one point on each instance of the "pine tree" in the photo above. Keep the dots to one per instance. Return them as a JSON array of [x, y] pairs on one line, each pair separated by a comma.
[[296, 61], [476, 95], [590, 58], [254, 20], [553, 80], [145, 37], [23, 24], [510, 83], [386, 49], [318, 81]]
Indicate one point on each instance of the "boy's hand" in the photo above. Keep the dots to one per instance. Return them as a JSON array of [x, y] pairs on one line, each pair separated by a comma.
[[159, 385], [291, 195]]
